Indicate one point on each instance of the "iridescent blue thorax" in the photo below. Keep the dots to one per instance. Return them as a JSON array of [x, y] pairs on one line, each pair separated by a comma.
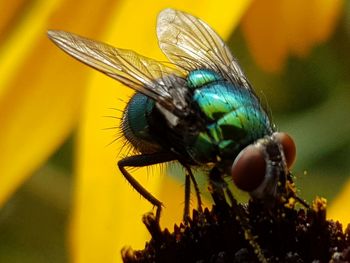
[[233, 115]]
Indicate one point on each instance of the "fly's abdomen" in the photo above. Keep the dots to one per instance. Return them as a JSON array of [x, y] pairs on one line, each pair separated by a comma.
[[135, 123], [234, 117]]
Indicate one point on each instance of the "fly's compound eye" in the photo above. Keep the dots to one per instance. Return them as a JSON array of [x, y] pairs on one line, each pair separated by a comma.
[[249, 168], [288, 145]]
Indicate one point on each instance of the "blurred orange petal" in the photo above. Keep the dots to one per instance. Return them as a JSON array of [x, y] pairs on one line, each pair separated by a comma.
[[275, 29], [107, 210], [40, 96], [9, 12]]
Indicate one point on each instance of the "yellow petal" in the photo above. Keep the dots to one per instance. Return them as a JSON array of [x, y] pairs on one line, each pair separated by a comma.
[[339, 208], [107, 210], [171, 192], [40, 96], [275, 29]]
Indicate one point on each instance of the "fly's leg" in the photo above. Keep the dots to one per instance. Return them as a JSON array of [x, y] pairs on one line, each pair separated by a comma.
[[190, 177], [196, 188], [217, 186], [187, 198], [141, 161]]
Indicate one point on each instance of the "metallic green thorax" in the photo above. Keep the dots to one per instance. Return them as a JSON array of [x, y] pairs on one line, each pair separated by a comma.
[[233, 118], [234, 115]]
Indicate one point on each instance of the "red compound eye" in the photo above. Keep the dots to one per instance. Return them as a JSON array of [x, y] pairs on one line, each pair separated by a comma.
[[288, 145], [248, 170]]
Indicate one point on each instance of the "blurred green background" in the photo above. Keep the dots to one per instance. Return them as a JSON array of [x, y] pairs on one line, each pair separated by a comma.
[[309, 99]]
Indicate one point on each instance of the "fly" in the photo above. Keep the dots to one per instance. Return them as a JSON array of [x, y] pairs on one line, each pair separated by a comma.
[[200, 110]]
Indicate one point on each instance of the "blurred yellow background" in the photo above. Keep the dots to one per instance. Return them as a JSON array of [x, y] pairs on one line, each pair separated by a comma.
[[63, 199]]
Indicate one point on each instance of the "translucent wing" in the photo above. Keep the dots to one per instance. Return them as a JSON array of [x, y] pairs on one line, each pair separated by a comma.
[[142, 74], [191, 44]]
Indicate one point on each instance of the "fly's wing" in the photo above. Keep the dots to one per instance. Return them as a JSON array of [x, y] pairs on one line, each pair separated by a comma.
[[192, 44], [142, 74]]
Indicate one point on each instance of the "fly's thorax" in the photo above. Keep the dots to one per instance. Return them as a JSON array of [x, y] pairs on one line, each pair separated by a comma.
[[234, 118], [135, 123]]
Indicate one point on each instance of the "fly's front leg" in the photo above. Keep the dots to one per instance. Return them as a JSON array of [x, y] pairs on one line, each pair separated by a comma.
[[141, 161]]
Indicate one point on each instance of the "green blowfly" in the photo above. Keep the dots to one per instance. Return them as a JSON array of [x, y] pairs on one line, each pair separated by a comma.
[[199, 110]]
